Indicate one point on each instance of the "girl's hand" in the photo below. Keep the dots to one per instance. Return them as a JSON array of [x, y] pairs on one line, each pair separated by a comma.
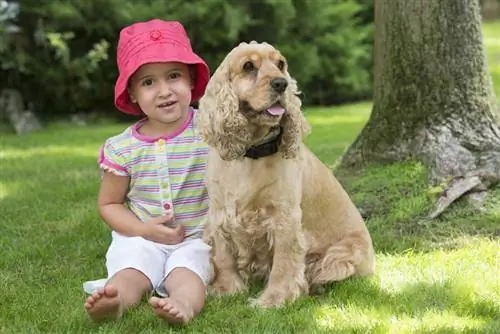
[[156, 230]]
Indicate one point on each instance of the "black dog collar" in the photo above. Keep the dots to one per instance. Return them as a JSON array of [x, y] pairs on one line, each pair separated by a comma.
[[267, 148]]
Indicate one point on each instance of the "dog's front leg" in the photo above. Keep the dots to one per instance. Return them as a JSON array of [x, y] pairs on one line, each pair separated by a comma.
[[226, 280], [287, 278]]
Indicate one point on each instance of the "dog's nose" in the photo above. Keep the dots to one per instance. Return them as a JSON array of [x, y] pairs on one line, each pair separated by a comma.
[[279, 84]]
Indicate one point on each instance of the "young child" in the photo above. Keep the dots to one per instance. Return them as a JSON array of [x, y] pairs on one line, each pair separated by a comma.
[[152, 194]]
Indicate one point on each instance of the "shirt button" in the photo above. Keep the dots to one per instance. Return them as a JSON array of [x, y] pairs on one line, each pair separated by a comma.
[[161, 142], [166, 206]]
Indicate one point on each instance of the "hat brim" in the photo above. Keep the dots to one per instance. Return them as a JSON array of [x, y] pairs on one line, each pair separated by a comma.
[[150, 54]]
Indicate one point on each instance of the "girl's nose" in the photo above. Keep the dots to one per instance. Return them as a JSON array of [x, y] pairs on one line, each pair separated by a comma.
[[165, 90]]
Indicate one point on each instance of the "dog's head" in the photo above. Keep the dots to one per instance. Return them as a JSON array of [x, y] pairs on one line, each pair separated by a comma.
[[250, 92]]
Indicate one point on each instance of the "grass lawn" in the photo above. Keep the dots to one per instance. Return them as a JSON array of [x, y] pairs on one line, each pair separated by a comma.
[[432, 275], [491, 32]]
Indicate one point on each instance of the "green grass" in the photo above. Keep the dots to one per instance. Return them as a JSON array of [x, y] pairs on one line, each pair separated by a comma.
[[432, 276], [491, 31]]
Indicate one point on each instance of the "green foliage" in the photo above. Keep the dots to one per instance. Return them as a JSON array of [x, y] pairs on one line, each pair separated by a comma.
[[334, 47], [63, 59], [8, 31]]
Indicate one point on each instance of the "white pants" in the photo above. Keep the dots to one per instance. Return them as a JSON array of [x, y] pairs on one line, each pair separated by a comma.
[[156, 260]]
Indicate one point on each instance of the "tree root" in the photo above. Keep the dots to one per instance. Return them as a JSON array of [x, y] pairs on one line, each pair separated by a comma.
[[473, 166], [456, 189]]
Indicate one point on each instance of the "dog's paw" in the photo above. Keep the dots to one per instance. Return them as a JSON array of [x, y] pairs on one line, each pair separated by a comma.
[[278, 297], [272, 299], [268, 300]]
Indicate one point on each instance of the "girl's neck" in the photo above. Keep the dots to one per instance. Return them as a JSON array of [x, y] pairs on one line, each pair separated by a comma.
[[153, 128]]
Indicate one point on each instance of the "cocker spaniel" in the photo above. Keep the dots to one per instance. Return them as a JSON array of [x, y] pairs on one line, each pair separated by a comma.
[[276, 211]]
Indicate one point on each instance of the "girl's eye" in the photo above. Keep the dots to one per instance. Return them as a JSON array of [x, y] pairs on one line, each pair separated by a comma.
[[174, 75], [147, 82]]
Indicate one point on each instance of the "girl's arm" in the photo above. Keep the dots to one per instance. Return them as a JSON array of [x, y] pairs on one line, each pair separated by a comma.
[[122, 220], [112, 209]]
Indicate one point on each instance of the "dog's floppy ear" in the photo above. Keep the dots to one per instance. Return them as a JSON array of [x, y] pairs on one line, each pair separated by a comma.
[[294, 124], [218, 120]]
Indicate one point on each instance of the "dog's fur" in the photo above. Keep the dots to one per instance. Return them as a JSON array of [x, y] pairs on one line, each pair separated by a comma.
[[284, 217]]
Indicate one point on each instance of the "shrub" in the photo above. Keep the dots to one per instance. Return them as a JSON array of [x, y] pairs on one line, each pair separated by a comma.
[[63, 58]]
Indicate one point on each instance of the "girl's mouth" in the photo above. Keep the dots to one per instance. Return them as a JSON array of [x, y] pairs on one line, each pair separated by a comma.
[[167, 104]]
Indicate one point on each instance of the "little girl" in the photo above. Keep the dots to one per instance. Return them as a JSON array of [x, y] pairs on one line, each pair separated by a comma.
[[152, 194]]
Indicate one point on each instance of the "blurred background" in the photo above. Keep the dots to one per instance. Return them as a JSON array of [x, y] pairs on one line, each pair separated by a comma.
[[60, 55]]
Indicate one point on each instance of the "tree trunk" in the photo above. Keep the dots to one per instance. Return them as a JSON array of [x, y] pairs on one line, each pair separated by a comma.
[[433, 97]]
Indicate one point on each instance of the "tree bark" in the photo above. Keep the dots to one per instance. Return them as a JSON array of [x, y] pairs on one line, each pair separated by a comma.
[[433, 97]]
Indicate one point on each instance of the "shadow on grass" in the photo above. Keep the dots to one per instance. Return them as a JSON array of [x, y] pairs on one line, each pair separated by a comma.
[[220, 315]]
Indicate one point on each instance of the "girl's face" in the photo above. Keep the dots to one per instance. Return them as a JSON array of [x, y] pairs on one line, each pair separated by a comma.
[[163, 92]]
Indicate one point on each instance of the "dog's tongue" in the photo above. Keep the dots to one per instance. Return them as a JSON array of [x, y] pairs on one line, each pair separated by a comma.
[[276, 110]]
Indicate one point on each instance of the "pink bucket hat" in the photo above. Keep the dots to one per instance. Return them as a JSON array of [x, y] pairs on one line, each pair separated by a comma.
[[151, 42]]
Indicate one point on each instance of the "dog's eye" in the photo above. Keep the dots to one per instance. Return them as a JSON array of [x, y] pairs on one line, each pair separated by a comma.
[[281, 65], [248, 66]]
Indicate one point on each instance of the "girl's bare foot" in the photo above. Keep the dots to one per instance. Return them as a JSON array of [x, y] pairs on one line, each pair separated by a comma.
[[104, 304], [171, 310]]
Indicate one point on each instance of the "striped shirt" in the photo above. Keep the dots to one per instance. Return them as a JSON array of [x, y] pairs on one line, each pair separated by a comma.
[[166, 173]]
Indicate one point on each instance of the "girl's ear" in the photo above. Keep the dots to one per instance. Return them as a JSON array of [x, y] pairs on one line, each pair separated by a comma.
[[130, 96], [192, 75]]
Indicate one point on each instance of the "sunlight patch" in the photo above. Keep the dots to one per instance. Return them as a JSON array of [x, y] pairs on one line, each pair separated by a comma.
[[337, 318], [329, 119], [489, 41], [399, 272], [353, 318], [448, 275], [9, 188], [3, 191], [432, 321]]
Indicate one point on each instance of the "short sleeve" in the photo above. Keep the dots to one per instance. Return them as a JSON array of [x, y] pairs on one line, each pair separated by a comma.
[[112, 160]]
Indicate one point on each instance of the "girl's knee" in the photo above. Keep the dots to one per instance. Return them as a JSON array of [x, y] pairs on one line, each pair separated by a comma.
[[131, 281]]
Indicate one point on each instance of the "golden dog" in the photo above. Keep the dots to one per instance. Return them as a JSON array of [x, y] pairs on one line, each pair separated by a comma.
[[276, 211]]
